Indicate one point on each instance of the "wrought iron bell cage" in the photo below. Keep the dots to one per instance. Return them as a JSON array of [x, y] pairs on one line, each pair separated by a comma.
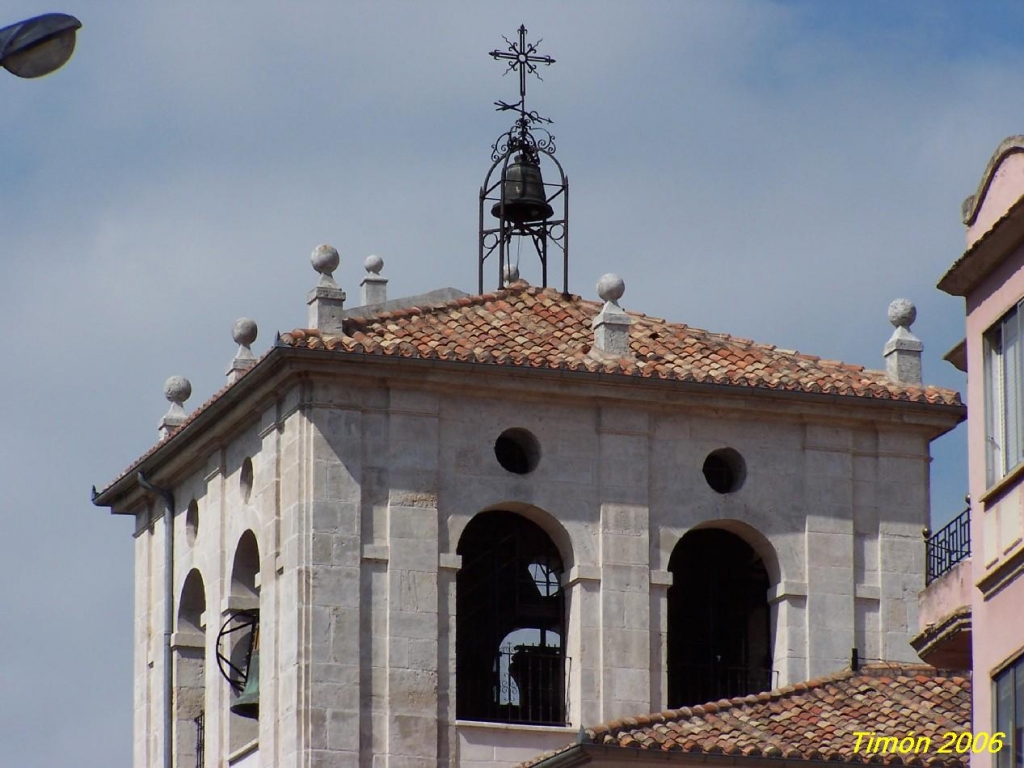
[[498, 200], [527, 207]]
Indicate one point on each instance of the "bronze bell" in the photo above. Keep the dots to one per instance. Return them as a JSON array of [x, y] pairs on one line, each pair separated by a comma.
[[248, 702], [523, 190]]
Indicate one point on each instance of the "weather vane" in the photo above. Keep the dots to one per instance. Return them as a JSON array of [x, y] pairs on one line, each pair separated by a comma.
[[522, 57]]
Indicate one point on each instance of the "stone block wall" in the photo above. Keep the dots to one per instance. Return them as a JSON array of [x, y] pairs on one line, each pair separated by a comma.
[[363, 486]]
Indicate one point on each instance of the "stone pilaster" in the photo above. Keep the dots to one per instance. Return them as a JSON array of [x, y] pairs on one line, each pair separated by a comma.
[[903, 504], [788, 601], [336, 652], [660, 582], [413, 634], [582, 586], [625, 564], [828, 472]]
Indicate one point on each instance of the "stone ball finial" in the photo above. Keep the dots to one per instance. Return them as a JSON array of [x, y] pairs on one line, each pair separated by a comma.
[[611, 287], [325, 259], [177, 389], [244, 331], [511, 273], [902, 313], [373, 264]]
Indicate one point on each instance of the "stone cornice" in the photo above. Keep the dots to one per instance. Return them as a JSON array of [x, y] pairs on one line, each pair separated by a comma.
[[283, 368]]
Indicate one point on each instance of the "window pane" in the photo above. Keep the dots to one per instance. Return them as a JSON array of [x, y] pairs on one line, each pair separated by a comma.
[[1018, 717], [993, 460], [993, 441], [1004, 719], [1012, 392]]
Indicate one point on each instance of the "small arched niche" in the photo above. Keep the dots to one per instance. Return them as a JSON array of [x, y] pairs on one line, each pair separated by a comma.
[[192, 522], [246, 567], [719, 619], [190, 669], [192, 606], [245, 479]]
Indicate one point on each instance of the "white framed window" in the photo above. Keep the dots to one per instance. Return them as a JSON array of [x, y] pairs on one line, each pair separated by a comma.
[[1004, 395]]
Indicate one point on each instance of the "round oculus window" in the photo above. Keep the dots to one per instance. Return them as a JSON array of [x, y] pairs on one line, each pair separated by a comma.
[[725, 470], [517, 450]]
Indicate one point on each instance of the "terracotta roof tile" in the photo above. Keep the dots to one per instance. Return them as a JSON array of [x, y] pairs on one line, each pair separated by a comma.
[[815, 720], [541, 328]]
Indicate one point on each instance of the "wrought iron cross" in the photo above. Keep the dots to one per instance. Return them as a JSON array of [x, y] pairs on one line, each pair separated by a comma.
[[522, 58]]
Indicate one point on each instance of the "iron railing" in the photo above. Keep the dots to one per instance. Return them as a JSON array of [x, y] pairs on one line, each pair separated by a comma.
[[948, 546], [702, 683], [527, 686], [200, 722]]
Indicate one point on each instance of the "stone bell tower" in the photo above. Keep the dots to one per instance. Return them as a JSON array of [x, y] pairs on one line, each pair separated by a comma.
[[451, 530]]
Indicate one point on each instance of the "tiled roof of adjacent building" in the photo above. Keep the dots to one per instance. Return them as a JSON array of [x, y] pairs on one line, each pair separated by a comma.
[[542, 328], [817, 720]]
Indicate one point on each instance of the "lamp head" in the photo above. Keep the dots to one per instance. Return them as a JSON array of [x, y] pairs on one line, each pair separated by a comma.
[[38, 46]]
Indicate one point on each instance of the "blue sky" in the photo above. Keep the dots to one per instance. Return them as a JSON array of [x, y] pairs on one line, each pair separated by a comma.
[[780, 171]]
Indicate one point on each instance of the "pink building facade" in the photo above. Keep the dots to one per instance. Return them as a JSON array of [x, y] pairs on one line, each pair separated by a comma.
[[990, 276]]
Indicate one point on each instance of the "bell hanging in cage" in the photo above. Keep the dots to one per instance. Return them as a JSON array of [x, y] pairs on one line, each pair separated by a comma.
[[523, 192]]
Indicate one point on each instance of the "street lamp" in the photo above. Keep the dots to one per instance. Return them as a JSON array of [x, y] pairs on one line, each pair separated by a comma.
[[38, 46]]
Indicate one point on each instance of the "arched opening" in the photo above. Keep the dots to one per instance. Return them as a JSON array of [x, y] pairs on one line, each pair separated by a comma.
[[190, 670], [719, 620], [192, 607], [245, 583], [246, 567], [510, 626]]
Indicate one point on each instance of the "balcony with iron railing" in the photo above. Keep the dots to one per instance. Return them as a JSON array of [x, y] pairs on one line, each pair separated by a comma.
[[948, 546], [944, 607], [527, 686]]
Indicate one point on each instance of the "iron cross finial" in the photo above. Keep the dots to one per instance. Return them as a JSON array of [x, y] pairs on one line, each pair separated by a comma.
[[522, 58]]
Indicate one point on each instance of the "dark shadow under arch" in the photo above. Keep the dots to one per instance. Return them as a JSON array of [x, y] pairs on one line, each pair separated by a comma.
[[244, 569], [245, 566], [544, 520], [192, 605], [719, 619]]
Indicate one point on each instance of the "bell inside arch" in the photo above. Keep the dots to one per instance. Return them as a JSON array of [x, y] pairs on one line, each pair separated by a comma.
[[247, 703], [523, 192]]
